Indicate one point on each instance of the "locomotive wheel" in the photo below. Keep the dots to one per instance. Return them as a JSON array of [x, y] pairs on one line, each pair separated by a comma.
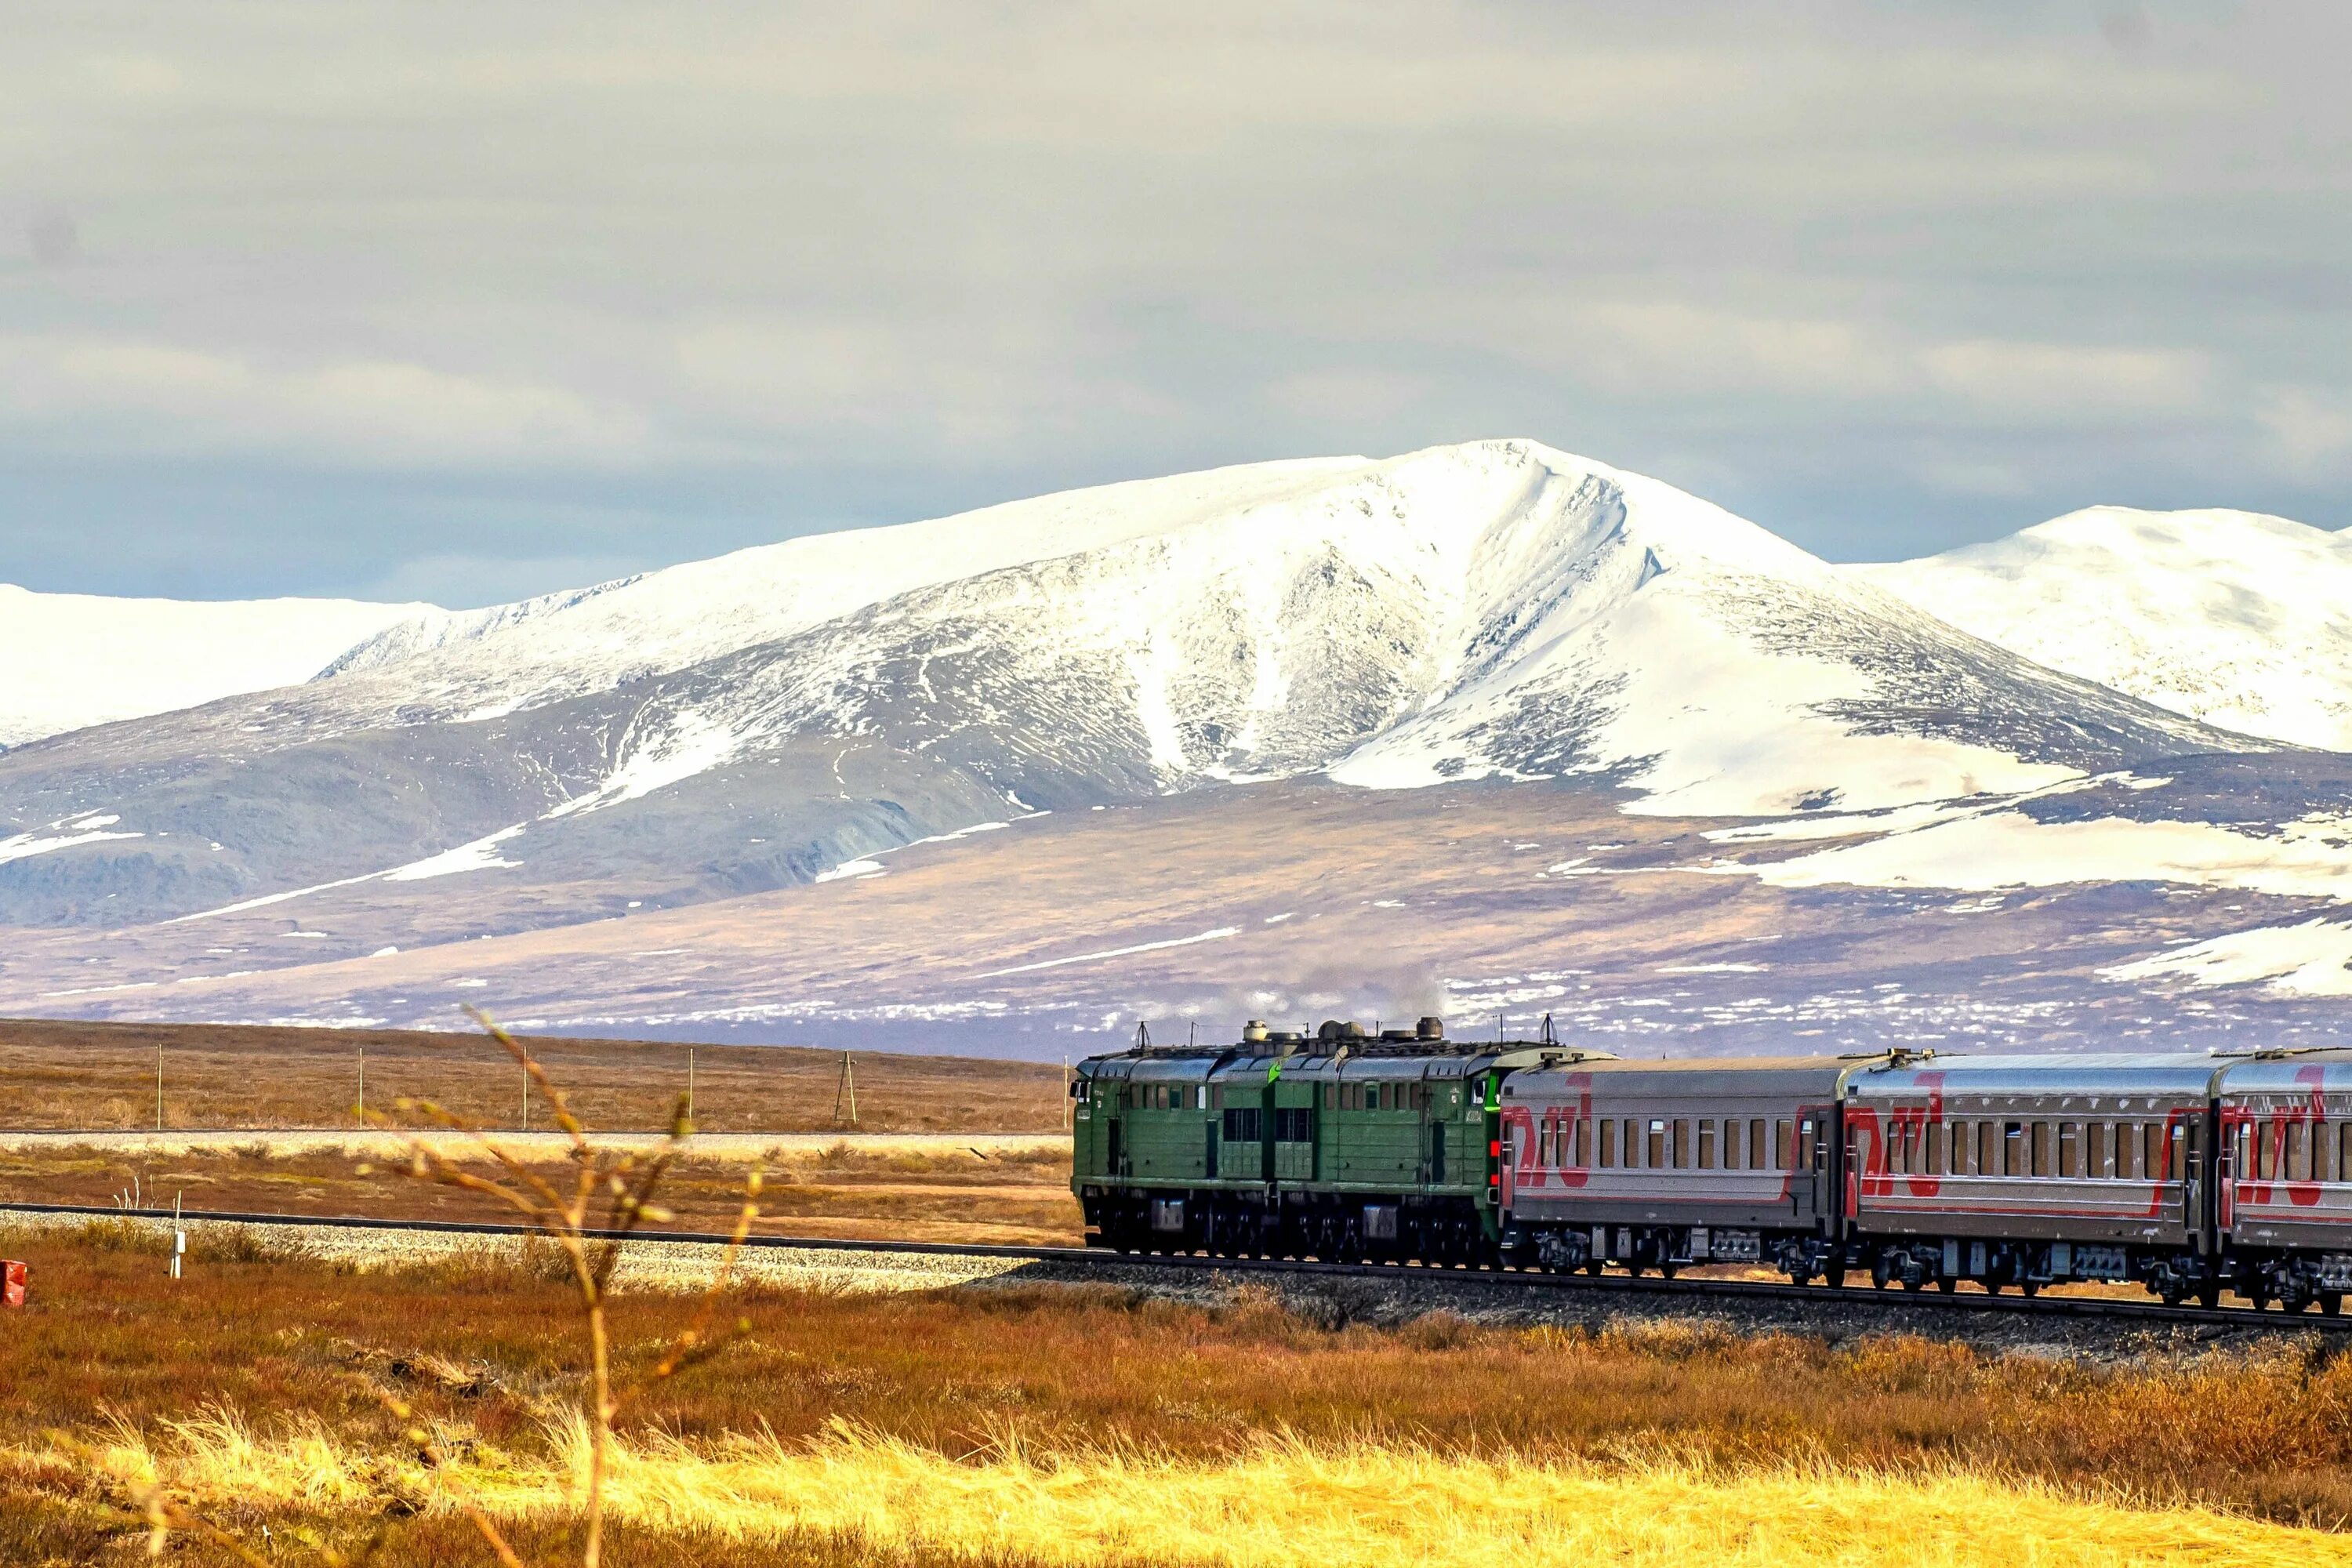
[[1948, 1285], [2029, 1289]]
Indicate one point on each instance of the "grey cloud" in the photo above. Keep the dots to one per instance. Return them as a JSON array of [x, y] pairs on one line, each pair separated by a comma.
[[51, 238], [1884, 278]]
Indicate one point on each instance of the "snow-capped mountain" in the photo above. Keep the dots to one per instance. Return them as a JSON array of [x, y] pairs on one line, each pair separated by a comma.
[[2235, 618], [1492, 610], [72, 660], [1466, 723]]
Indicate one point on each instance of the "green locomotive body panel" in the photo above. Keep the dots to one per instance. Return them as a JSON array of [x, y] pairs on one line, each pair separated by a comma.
[[1347, 1144]]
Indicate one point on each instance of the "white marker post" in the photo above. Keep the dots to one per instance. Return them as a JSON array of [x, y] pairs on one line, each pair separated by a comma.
[[179, 1238]]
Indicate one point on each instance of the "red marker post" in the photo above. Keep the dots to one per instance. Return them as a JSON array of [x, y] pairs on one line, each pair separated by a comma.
[[12, 1284]]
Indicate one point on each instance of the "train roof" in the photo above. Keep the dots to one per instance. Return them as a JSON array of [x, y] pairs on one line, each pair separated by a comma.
[[1691, 1075], [2093, 1072], [1442, 1058], [2287, 1072]]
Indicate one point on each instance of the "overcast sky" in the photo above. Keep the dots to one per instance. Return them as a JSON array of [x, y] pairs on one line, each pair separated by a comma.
[[469, 301]]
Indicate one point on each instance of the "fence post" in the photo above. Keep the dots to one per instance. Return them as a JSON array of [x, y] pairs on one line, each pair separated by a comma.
[[158, 1086], [847, 1085], [689, 1083]]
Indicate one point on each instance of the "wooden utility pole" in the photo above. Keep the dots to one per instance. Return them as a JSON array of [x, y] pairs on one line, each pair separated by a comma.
[[1066, 1092], [689, 1083], [526, 1099], [845, 1089], [158, 1086], [363, 1085]]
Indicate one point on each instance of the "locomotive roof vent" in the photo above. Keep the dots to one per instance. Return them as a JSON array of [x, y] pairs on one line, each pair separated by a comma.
[[1396, 1035], [1430, 1029], [1255, 1031]]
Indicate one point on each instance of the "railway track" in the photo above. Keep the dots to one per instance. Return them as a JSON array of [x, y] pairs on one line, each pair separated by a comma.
[[1895, 1302]]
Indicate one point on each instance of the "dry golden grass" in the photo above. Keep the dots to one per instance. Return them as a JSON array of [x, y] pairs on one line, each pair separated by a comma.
[[940, 1190], [95, 1076], [1033, 1426], [1279, 1502]]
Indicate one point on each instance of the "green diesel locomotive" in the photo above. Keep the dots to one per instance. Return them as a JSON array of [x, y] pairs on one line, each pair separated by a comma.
[[1349, 1145]]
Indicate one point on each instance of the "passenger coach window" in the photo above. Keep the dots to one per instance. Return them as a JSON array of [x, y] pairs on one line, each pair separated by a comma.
[[1963, 1145], [1758, 1144], [2156, 1167], [2128, 1151], [1731, 1133], [1935, 1148], [2095, 1150], [2069, 1149], [1607, 1143], [1655, 1157], [1707, 1144], [2323, 1151], [2013, 1148], [1783, 1146], [1682, 1143], [2298, 1152], [2041, 1148], [1583, 1142]]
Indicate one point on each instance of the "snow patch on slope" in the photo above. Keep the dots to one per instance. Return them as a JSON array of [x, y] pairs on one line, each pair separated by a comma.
[[2235, 618], [2311, 959], [77, 660], [2310, 857], [480, 855], [560, 644], [80, 830], [691, 744], [1664, 638]]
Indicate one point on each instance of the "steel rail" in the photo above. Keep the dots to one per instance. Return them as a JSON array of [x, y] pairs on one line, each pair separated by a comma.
[[1891, 1301]]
